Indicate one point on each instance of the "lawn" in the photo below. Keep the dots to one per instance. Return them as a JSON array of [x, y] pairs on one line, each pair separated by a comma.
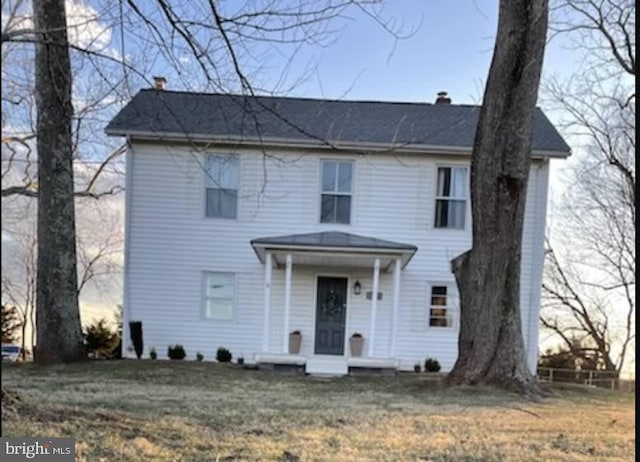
[[188, 411]]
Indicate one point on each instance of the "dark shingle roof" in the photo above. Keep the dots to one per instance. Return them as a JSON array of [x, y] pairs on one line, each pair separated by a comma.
[[311, 120], [332, 239]]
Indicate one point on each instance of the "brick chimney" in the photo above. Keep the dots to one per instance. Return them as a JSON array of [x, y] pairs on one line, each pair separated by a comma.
[[443, 98], [159, 83]]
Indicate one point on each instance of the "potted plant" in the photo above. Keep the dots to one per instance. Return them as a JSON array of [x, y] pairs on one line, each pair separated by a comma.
[[295, 340], [356, 342]]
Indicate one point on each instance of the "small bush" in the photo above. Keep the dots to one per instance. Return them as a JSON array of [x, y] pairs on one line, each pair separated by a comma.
[[152, 353], [199, 356], [223, 355], [416, 367], [176, 352], [431, 365], [240, 360]]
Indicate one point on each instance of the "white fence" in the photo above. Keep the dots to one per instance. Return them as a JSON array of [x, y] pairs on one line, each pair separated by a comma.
[[593, 378]]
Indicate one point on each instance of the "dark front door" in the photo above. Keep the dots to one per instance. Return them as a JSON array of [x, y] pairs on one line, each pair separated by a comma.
[[331, 315]]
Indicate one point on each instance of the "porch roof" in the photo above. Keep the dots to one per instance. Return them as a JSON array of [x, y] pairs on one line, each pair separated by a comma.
[[333, 248]]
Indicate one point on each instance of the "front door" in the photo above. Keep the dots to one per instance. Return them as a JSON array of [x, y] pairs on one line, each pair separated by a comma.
[[331, 315]]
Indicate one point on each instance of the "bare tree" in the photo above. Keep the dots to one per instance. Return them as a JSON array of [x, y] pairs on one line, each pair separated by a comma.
[[19, 264], [589, 286], [57, 313], [490, 344], [99, 248]]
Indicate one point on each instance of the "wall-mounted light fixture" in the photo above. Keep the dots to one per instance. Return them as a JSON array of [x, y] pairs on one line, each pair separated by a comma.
[[357, 288]]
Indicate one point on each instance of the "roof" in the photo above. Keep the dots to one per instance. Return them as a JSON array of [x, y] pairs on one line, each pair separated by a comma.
[[212, 116], [332, 239], [334, 248]]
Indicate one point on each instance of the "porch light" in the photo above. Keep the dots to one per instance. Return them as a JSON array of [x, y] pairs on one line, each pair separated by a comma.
[[357, 288]]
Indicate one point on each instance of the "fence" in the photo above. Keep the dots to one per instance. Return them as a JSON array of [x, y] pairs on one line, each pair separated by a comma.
[[592, 378]]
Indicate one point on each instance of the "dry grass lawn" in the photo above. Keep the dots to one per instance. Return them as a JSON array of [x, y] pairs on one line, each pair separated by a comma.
[[186, 411]]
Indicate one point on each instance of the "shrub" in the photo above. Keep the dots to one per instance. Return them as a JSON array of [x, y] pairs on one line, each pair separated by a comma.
[[416, 367], [223, 355], [11, 323], [176, 352], [152, 353], [431, 365], [240, 360], [135, 330], [199, 356], [101, 341]]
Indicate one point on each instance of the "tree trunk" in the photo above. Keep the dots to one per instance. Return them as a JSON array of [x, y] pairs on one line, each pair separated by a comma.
[[490, 345], [59, 335]]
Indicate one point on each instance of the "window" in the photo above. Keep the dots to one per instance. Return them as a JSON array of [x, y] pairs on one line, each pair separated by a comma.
[[451, 197], [219, 295], [221, 185], [440, 311], [336, 192]]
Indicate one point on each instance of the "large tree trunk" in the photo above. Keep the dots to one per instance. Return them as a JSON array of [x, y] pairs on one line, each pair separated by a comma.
[[490, 345], [59, 335]]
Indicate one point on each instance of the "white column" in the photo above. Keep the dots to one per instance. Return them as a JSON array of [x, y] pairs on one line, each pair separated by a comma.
[[287, 304], [267, 302], [374, 303], [396, 306]]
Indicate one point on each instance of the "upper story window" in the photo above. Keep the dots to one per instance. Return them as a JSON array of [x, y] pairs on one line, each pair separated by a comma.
[[451, 197], [440, 310], [336, 191], [219, 295], [221, 186]]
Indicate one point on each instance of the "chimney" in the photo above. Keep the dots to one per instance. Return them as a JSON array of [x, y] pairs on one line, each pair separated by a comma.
[[159, 82], [443, 98]]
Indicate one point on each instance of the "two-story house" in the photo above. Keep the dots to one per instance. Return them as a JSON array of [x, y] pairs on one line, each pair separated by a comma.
[[248, 218]]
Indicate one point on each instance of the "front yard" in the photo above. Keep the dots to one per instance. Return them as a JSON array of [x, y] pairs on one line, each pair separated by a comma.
[[186, 411]]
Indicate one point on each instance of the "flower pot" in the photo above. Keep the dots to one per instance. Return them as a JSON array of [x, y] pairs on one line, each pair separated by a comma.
[[294, 343], [355, 345]]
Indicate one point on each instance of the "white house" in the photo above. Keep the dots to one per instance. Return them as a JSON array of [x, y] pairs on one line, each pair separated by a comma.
[[248, 218]]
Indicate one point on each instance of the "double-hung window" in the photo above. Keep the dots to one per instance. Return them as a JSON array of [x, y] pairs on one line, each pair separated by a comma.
[[221, 186], [336, 191], [451, 197], [440, 311], [219, 295]]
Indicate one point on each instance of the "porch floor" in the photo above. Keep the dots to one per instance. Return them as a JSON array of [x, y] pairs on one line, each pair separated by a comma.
[[327, 365]]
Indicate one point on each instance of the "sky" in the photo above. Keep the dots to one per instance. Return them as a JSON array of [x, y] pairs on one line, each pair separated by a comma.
[[448, 48]]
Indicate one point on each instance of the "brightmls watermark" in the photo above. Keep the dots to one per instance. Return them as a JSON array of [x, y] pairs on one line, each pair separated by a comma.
[[37, 449]]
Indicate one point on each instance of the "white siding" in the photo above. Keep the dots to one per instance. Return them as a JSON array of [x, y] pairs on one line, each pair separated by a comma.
[[170, 243]]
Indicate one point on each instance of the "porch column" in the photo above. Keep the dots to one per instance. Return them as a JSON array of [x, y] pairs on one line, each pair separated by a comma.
[[267, 302], [287, 304], [396, 305], [374, 303]]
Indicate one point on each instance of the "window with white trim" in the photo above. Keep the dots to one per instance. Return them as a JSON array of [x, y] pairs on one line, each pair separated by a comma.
[[451, 197], [219, 295], [440, 310], [221, 186], [336, 191]]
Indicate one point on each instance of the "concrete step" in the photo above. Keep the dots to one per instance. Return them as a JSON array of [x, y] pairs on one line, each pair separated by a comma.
[[327, 365]]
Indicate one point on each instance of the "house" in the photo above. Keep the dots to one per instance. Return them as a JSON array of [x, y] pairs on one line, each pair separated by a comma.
[[248, 218]]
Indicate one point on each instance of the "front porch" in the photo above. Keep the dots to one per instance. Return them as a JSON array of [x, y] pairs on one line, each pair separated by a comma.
[[329, 304]]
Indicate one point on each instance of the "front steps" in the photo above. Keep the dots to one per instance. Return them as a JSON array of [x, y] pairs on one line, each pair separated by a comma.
[[327, 365]]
